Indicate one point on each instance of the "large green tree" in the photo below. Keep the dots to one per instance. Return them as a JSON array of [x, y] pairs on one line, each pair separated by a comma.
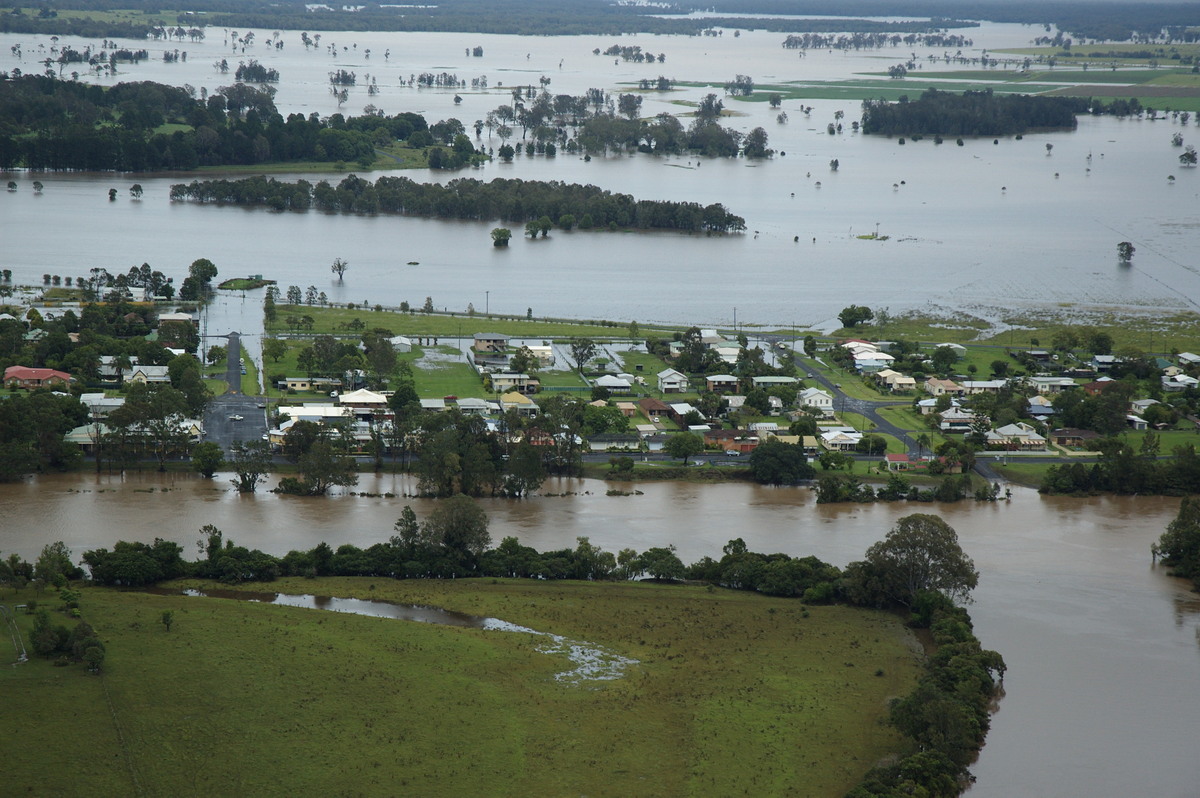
[[921, 553], [774, 462]]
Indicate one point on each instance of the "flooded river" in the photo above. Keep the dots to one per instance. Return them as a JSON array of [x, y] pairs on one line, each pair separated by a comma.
[[1103, 686]]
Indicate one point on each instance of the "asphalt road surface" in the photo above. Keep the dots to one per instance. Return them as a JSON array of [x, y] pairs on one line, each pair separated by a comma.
[[233, 416]]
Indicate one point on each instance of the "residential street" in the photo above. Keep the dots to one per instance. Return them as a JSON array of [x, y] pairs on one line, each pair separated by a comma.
[[234, 416]]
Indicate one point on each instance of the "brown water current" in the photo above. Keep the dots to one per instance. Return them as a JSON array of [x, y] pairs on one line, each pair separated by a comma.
[[1103, 687]]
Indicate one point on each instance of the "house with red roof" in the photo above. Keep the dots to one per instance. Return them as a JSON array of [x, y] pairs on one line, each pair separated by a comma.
[[30, 378]]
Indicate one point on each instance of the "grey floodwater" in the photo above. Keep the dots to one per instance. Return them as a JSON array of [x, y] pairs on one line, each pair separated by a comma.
[[987, 228], [1103, 687], [592, 663]]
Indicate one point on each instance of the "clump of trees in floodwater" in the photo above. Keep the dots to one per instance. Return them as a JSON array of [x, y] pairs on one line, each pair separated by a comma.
[[511, 200]]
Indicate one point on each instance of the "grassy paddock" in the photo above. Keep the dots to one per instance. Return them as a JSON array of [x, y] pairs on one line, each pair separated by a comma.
[[734, 692], [328, 319]]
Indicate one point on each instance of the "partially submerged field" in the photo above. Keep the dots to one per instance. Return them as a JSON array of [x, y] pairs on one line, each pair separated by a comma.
[[734, 693]]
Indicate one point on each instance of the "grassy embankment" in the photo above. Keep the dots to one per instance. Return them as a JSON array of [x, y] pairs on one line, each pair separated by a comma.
[[735, 693]]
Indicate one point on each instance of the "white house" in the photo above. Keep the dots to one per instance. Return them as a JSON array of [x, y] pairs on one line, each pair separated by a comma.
[[672, 381], [816, 399], [401, 343], [613, 384]]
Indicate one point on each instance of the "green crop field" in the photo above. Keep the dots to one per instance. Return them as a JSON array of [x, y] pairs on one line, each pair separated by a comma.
[[733, 693]]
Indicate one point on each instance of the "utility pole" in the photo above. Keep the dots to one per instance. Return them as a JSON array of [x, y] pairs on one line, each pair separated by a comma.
[[487, 303]]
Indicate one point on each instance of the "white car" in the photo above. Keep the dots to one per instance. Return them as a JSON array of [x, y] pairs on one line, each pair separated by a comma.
[[236, 417]]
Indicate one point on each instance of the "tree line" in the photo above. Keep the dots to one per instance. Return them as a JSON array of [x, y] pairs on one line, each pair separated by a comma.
[[982, 113], [510, 200], [52, 124]]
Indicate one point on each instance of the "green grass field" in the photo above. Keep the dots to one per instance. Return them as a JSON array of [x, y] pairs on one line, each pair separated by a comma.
[[333, 320], [735, 693]]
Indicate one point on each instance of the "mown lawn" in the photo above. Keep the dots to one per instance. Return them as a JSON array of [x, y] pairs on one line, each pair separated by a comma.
[[734, 693]]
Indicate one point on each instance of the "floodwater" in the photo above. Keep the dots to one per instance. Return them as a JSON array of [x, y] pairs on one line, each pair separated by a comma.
[[1103, 686], [986, 228], [592, 663]]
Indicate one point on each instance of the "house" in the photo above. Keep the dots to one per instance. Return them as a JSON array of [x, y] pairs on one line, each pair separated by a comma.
[[772, 381], [433, 405], [672, 381], [728, 354], [1019, 436], [1040, 407], [87, 436], [1040, 356], [146, 374], [722, 383], [490, 343], [401, 343], [99, 405], [1098, 386], [523, 383], [473, 406], [677, 411], [840, 439], [1180, 382], [897, 461], [544, 354], [972, 387], [731, 440], [895, 381], [657, 442], [514, 400], [29, 378], [1140, 406], [35, 335], [628, 409], [956, 419], [1136, 423], [1188, 359], [178, 318], [318, 384], [1103, 363], [613, 384], [710, 338], [817, 399], [614, 442], [1052, 384], [654, 408], [362, 398], [938, 387], [1072, 438]]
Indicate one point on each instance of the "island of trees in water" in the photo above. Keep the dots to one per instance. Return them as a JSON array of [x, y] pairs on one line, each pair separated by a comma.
[[47, 123], [982, 113], [512, 200]]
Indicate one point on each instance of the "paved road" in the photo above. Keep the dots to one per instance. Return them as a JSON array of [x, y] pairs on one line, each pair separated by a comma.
[[234, 416]]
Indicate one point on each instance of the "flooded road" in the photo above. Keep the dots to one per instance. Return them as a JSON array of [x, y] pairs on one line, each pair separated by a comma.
[[1103, 685]]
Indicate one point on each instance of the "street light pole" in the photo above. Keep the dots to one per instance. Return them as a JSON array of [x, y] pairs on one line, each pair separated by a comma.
[[487, 303]]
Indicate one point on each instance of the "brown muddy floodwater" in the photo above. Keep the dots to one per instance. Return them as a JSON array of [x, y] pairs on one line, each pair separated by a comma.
[[1103, 686]]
